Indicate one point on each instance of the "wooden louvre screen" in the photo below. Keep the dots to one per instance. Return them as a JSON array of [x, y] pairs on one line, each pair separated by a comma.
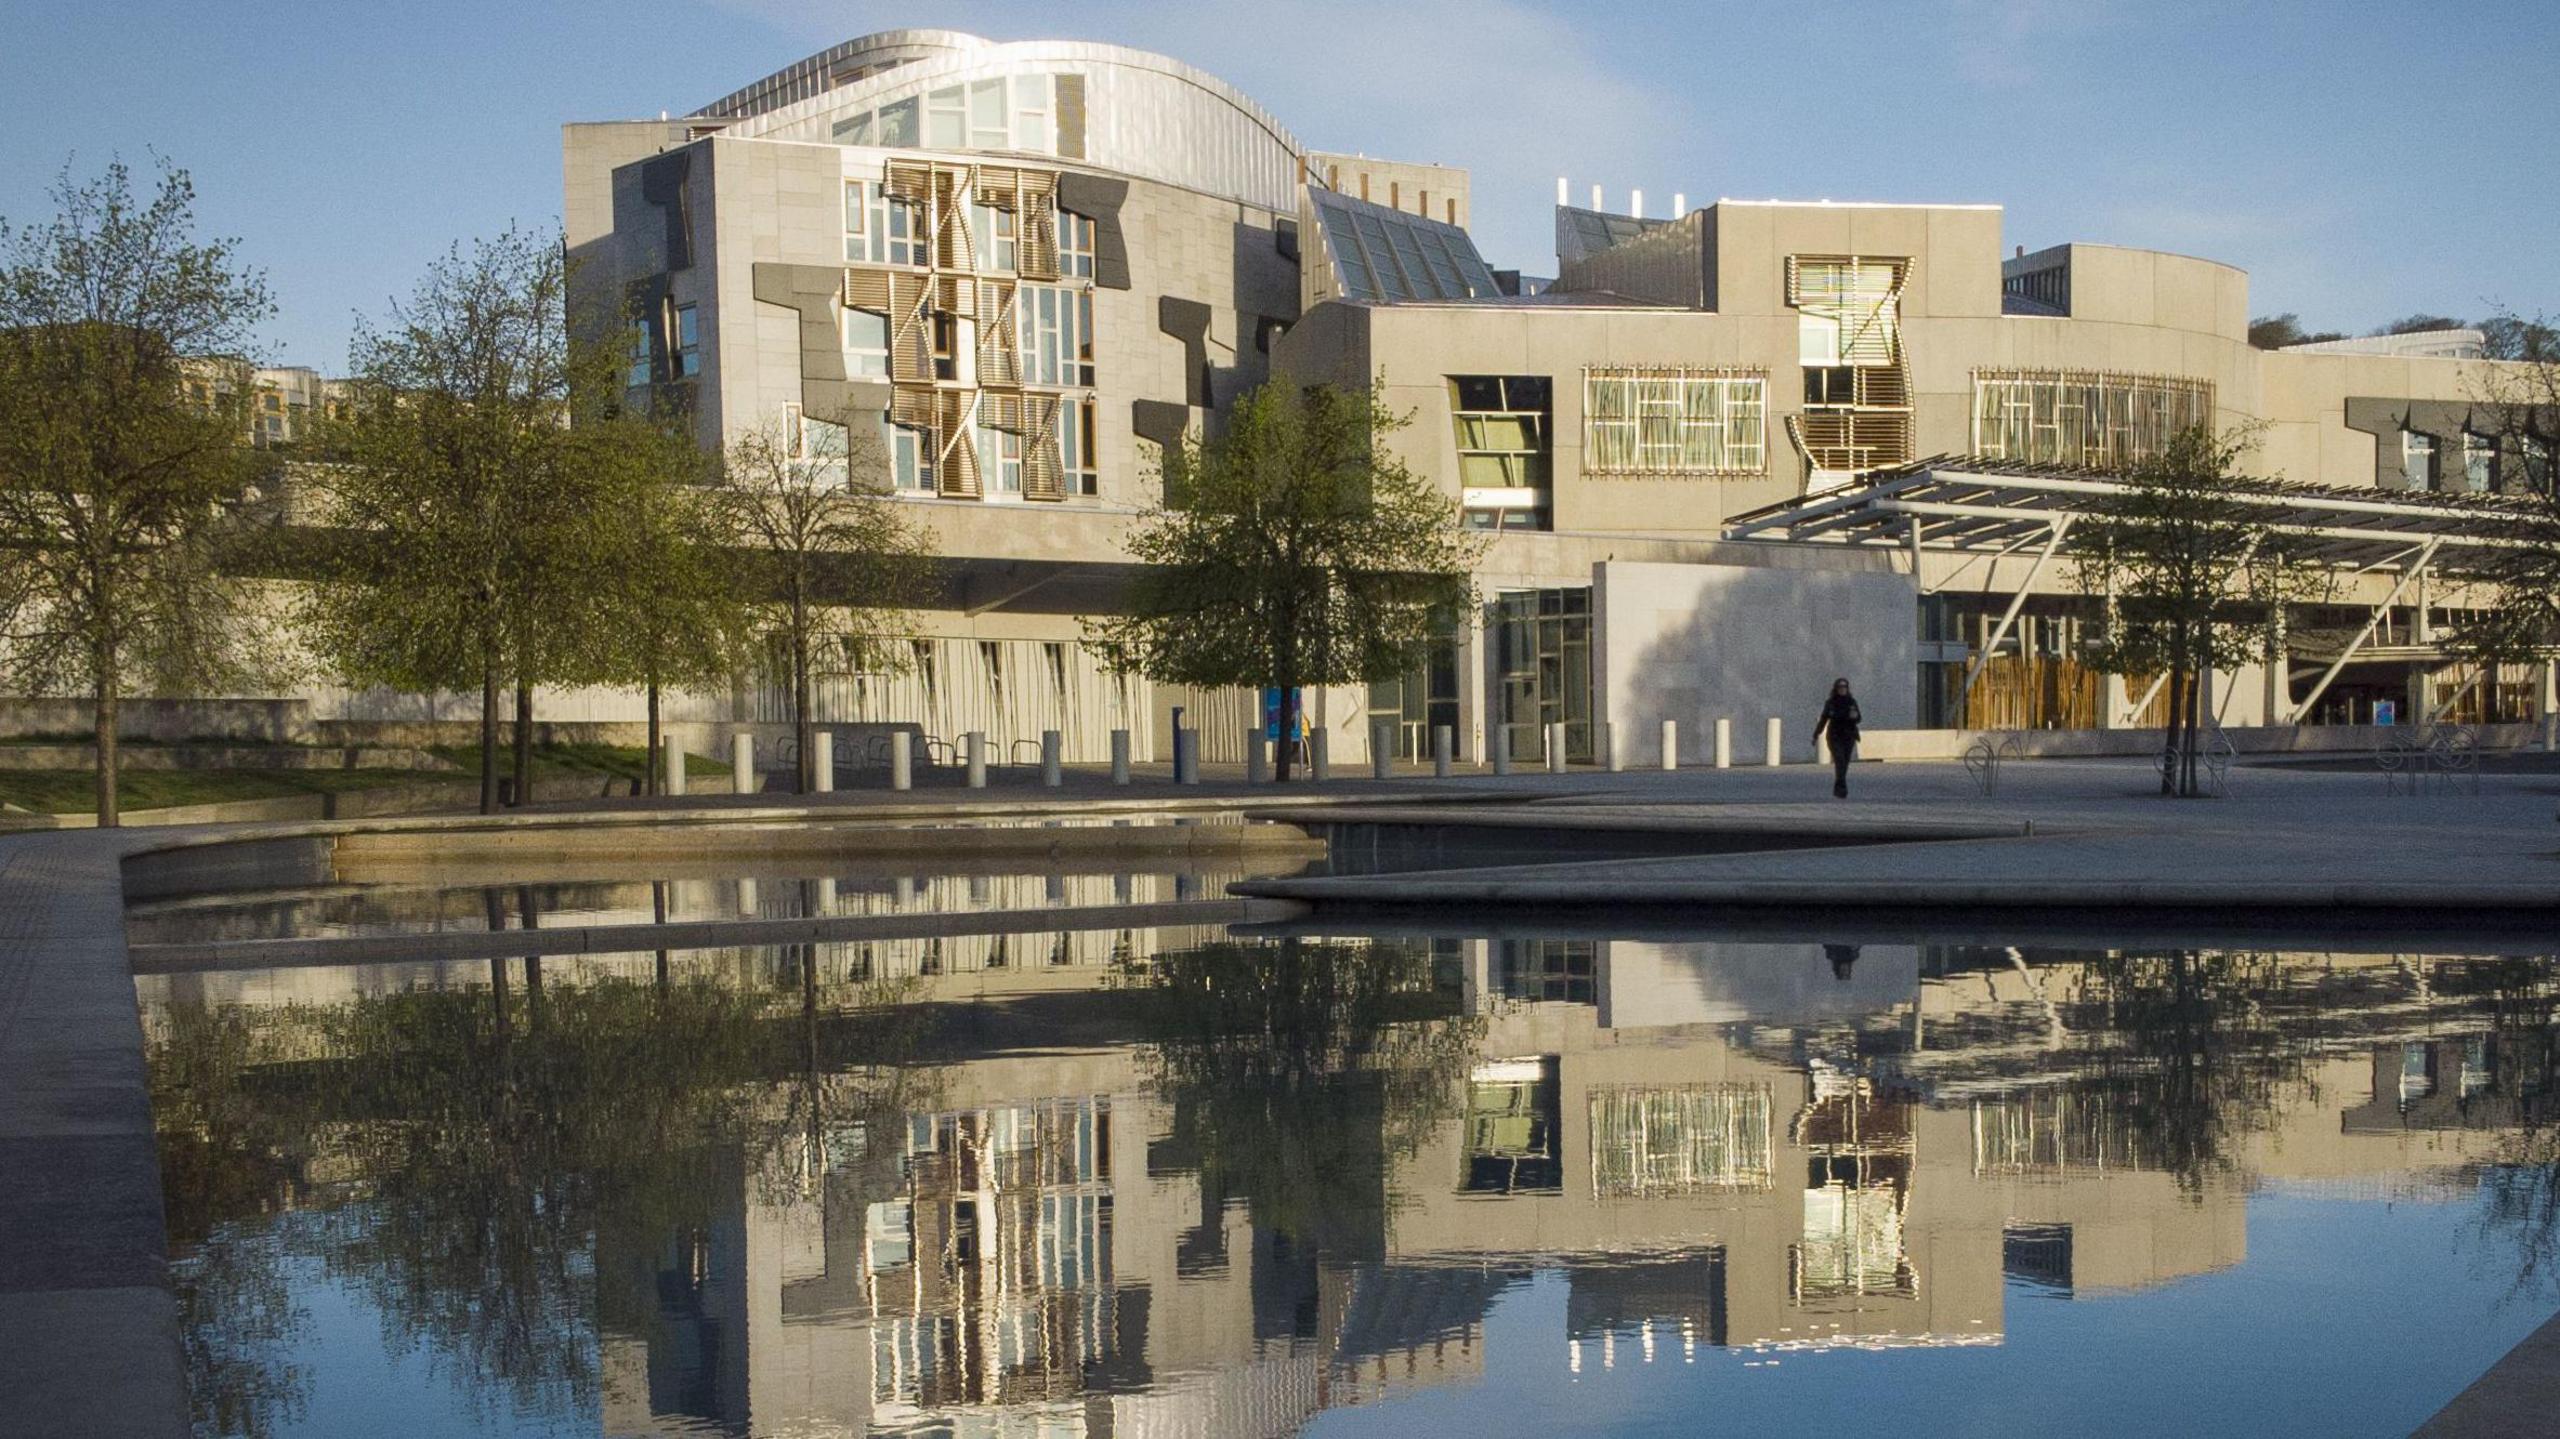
[[999, 334], [1043, 472], [955, 470]]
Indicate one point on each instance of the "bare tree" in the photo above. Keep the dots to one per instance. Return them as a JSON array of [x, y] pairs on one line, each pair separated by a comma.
[[2520, 400], [122, 474], [829, 558]]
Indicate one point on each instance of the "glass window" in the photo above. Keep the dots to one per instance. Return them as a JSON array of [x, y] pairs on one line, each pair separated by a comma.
[[1000, 460], [2418, 460], [910, 458], [2479, 464], [1034, 126], [688, 345], [641, 369], [866, 345], [996, 234], [2101, 421], [879, 228], [990, 116], [1075, 245], [946, 119], [855, 130], [1675, 422], [1076, 457], [2537, 463], [1054, 324], [898, 129]]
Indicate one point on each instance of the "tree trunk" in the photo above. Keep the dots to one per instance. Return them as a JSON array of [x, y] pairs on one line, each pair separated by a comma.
[[2169, 724], [105, 697], [489, 736], [803, 733], [524, 743], [650, 777], [1285, 675]]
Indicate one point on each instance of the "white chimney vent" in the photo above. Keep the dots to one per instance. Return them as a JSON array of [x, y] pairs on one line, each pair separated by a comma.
[[1563, 195], [1635, 203], [1679, 205], [1596, 202]]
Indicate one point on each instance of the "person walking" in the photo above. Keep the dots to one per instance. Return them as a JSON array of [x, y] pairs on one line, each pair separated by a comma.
[[1839, 723]]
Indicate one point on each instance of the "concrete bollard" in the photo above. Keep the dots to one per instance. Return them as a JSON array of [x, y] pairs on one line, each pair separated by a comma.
[[1609, 756], [1119, 756], [1724, 744], [1671, 744], [1382, 750], [1501, 750], [1444, 738], [826, 896], [1053, 756], [1320, 753], [825, 743], [1257, 757], [673, 775], [749, 899], [2550, 733], [902, 760], [1555, 749], [742, 763], [974, 746], [1186, 755], [1777, 740]]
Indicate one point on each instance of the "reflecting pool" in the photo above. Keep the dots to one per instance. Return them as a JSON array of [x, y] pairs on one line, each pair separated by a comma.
[[1163, 1182]]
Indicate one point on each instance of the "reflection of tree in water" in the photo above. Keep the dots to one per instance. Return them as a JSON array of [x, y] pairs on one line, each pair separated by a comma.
[[1298, 1071], [2519, 1203], [463, 1150], [2193, 1066]]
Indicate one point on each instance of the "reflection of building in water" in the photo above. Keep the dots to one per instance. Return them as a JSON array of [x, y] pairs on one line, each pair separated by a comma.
[[1762, 1150]]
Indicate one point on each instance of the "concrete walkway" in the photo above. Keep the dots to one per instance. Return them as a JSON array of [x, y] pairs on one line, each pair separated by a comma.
[[2086, 834], [88, 1325]]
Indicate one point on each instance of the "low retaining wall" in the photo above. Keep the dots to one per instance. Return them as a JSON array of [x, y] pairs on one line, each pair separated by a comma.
[[1926, 744]]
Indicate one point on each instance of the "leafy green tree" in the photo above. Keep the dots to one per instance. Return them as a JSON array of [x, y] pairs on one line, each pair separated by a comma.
[[1292, 550], [829, 560], [123, 480], [2521, 401], [2192, 578], [676, 617], [474, 529]]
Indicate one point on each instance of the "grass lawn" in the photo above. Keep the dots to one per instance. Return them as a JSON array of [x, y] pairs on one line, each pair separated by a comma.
[[629, 762], [74, 791]]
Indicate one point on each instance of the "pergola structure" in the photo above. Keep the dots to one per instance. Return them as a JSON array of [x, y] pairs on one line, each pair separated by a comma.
[[1997, 508]]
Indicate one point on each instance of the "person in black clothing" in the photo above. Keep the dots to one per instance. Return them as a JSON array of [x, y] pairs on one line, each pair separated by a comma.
[[1839, 723]]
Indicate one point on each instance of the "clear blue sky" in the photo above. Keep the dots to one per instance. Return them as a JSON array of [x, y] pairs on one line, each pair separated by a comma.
[[2361, 161]]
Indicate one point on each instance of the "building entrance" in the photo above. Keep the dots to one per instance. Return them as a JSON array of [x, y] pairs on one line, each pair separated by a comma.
[[1541, 671]]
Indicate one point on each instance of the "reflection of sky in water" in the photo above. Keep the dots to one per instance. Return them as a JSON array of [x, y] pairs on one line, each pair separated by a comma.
[[1467, 1186]]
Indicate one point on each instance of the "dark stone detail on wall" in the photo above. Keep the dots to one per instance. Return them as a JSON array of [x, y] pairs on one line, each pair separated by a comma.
[[1188, 321], [662, 183], [1267, 328], [813, 290], [1160, 420], [1284, 236], [1099, 200], [2448, 421]]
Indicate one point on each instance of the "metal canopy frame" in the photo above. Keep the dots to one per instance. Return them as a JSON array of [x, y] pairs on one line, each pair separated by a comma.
[[1977, 506], [1992, 510]]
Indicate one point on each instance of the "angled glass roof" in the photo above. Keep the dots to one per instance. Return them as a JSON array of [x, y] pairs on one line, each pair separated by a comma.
[[1384, 255], [1580, 234]]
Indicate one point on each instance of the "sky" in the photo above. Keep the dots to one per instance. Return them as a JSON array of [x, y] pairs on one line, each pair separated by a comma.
[[2361, 161]]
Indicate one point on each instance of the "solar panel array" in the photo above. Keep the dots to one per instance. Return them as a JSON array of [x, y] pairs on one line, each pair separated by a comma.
[[1384, 254]]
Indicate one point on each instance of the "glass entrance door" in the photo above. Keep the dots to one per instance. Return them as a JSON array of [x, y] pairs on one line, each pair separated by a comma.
[[1542, 671]]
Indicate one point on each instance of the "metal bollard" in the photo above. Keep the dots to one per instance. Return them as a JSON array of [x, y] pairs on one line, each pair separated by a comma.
[[749, 900], [1257, 757], [1444, 738], [1555, 748], [674, 765], [974, 745], [826, 896], [1382, 750], [1501, 750], [1119, 756], [1671, 744], [742, 763], [1777, 740], [2550, 733], [1724, 744], [902, 760], [1609, 756], [1186, 755], [1053, 754], [825, 744], [1320, 753]]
